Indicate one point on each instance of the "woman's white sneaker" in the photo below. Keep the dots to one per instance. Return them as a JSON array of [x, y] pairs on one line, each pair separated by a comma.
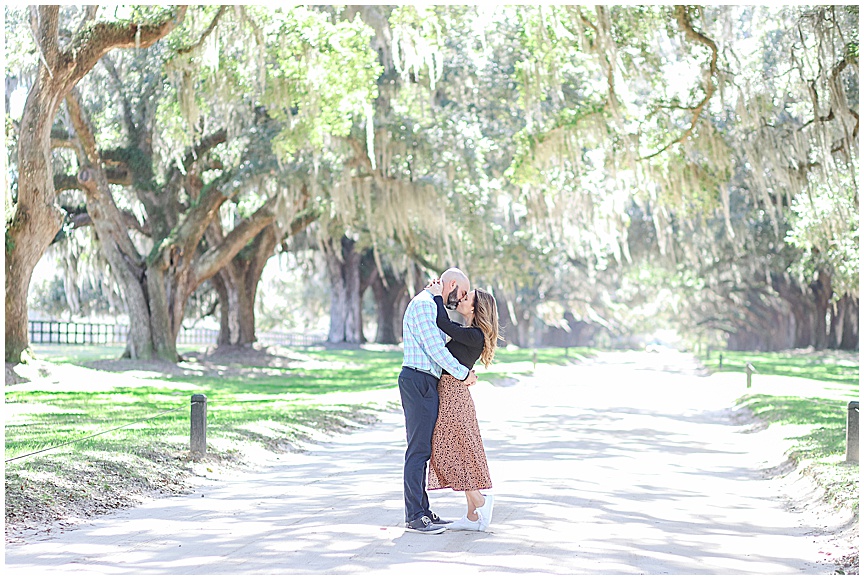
[[465, 524], [485, 512]]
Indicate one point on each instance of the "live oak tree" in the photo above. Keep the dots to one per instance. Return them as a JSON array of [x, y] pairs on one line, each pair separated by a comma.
[[157, 285], [223, 193], [68, 50]]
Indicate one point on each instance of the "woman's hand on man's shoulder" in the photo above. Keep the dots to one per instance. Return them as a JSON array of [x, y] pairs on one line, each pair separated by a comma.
[[435, 287]]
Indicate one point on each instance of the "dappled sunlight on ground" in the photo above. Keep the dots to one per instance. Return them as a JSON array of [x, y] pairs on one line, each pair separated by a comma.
[[610, 467]]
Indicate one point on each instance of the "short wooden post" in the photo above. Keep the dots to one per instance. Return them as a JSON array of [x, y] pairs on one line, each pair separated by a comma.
[[721, 361], [852, 442], [750, 370], [534, 358], [198, 427]]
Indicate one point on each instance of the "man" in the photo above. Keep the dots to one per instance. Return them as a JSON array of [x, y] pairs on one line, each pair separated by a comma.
[[424, 357]]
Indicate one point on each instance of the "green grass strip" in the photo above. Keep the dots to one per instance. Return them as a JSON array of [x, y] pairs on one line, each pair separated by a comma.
[[827, 365]]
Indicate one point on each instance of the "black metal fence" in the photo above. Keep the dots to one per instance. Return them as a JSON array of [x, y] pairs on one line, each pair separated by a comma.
[[56, 332], [59, 332]]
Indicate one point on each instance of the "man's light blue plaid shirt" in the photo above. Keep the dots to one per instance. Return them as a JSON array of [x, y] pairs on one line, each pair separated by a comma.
[[423, 342]]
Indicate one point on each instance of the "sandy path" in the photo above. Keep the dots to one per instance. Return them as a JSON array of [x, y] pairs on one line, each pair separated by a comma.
[[613, 467]]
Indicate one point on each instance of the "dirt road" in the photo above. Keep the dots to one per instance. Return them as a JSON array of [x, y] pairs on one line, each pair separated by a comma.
[[631, 464]]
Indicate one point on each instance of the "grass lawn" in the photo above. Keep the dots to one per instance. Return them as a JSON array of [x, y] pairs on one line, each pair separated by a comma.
[[278, 402], [813, 410], [76, 354], [238, 395], [827, 365]]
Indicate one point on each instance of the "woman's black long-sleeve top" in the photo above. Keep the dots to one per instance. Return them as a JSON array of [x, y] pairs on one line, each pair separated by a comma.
[[467, 341]]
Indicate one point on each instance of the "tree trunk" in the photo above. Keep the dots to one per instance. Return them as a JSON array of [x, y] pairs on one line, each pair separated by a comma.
[[354, 317], [175, 272], [800, 318], [803, 322], [511, 330], [346, 324], [849, 336], [229, 285], [836, 322], [167, 304], [236, 306], [843, 333], [801, 308], [237, 284], [225, 325], [237, 312], [127, 265], [387, 300], [37, 219], [821, 288], [246, 304], [237, 322], [338, 300]]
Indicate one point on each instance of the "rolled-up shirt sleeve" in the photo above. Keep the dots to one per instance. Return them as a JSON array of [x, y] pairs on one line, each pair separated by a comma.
[[429, 336]]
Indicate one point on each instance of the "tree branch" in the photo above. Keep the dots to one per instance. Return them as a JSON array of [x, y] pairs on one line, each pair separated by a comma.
[[811, 85], [78, 217], [188, 233], [588, 23], [422, 261], [690, 33], [94, 183], [175, 178], [131, 127], [83, 128], [49, 22], [205, 34], [89, 15], [65, 183], [206, 144], [66, 144], [610, 66], [95, 41], [35, 31], [304, 216], [215, 258], [300, 223]]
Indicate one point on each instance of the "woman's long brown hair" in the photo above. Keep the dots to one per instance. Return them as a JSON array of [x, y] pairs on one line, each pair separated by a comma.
[[486, 319]]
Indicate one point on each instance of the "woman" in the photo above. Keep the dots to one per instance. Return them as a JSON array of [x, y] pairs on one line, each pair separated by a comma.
[[458, 459]]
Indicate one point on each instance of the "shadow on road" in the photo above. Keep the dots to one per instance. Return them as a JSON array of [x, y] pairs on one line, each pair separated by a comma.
[[648, 477]]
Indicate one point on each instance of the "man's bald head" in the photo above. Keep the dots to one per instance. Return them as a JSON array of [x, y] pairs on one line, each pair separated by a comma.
[[456, 286]]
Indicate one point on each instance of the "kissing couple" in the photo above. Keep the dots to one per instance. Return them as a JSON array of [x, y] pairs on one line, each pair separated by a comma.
[[440, 420]]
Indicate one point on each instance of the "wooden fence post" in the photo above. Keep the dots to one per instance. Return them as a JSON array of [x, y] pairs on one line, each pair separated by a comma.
[[198, 427], [750, 370], [852, 442]]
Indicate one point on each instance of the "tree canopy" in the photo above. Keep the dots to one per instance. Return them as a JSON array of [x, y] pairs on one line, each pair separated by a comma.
[[615, 168]]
